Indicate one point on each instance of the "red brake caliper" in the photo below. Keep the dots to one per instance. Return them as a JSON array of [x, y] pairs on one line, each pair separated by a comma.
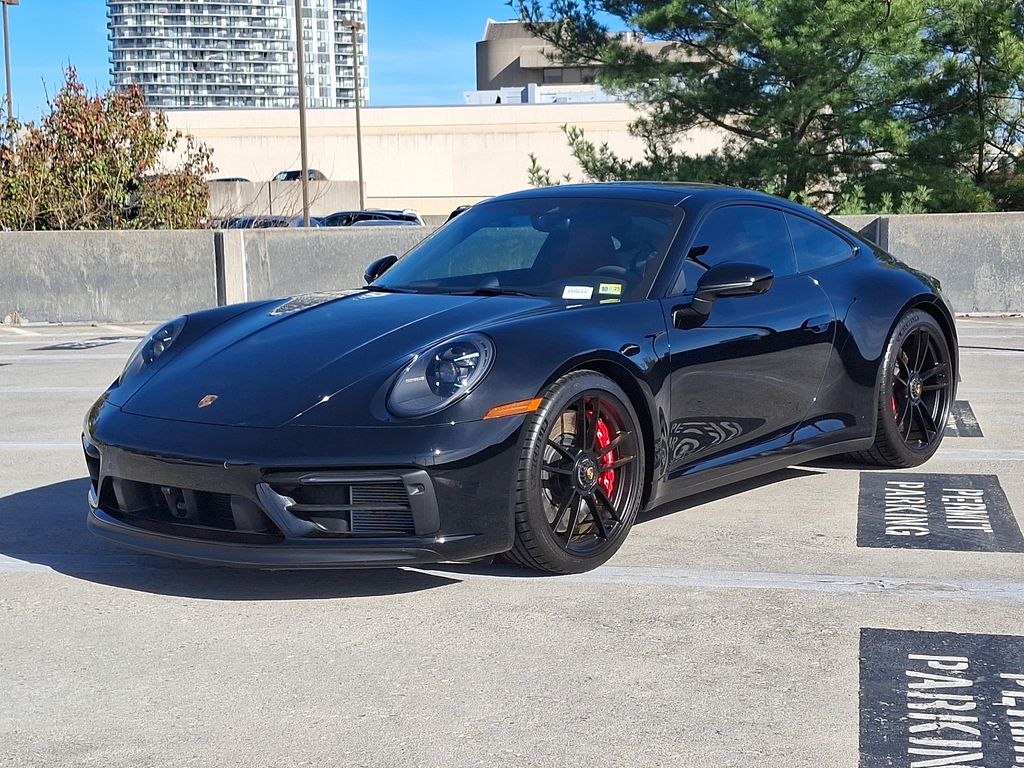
[[607, 479]]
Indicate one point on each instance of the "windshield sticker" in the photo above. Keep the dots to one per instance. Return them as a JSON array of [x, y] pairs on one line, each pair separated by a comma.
[[610, 289], [578, 292], [611, 301]]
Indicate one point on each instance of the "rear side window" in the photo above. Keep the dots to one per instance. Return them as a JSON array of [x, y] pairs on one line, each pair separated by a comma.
[[748, 233], [816, 246]]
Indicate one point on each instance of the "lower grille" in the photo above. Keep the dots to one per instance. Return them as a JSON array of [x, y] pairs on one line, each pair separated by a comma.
[[380, 508], [371, 521], [184, 511], [348, 504]]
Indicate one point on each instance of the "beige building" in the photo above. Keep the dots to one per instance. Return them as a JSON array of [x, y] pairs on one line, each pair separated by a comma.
[[511, 56], [428, 158]]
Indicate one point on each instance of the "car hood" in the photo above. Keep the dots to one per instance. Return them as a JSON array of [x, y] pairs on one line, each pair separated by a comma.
[[268, 368]]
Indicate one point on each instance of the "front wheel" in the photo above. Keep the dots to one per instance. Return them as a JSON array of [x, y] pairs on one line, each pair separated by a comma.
[[580, 478], [915, 393]]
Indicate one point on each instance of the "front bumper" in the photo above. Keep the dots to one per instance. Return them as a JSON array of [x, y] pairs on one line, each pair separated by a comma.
[[293, 555], [259, 504]]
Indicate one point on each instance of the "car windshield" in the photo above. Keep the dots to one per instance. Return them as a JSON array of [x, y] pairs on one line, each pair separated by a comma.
[[578, 249]]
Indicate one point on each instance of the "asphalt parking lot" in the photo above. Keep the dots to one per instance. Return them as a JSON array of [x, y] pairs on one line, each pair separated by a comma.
[[822, 616]]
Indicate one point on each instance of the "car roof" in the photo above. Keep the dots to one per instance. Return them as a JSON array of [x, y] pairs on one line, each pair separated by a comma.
[[671, 193], [384, 223]]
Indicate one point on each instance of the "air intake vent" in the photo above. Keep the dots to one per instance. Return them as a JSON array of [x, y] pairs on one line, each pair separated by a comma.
[[360, 505], [369, 521], [381, 508]]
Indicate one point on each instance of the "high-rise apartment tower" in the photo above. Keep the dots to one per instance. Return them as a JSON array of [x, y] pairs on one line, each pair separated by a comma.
[[231, 54]]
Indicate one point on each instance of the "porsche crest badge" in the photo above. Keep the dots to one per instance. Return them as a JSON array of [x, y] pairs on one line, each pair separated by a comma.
[[207, 401]]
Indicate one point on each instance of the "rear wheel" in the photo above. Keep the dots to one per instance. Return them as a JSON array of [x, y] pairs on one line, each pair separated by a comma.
[[580, 478], [915, 393]]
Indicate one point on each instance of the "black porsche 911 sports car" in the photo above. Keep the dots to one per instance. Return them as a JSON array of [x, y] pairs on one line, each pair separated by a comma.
[[525, 381]]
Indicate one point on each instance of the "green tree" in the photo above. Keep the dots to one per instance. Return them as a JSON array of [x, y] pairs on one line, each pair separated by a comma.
[[99, 162], [813, 97], [968, 113]]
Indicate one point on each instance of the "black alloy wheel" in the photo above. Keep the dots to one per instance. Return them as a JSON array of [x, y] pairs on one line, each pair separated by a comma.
[[915, 393], [581, 476]]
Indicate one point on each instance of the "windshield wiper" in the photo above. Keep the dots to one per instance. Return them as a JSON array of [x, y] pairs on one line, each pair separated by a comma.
[[387, 289], [487, 291]]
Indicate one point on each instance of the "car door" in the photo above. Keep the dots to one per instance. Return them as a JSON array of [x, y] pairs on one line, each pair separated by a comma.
[[744, 378]]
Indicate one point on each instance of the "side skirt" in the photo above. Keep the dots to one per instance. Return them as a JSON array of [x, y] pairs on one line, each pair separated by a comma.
[[761, 465]]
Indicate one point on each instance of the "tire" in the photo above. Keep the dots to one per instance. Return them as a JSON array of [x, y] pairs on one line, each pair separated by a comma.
[[577, 492], [911, 422]]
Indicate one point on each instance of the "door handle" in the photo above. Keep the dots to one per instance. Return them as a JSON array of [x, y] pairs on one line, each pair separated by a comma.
[[819, 324]]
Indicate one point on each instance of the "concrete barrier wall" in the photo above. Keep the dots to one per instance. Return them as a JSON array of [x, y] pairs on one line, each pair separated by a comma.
[[110, 276], [978, 257], [125, 276], [285, 262]]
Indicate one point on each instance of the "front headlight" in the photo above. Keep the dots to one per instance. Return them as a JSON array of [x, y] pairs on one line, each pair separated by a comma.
[[441, 376], [153, 346]]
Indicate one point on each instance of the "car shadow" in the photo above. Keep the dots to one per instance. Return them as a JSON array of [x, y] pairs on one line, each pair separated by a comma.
[[698, 499], [839, 462], [499, 569], [46, 527]]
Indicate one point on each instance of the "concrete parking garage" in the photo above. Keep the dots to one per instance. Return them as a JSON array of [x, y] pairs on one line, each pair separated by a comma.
[[802, 619]]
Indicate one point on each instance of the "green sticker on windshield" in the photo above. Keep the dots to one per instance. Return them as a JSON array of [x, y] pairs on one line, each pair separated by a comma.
[[610, 289]]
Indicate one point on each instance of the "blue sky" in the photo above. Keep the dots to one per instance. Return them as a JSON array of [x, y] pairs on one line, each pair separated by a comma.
[[420, 53]]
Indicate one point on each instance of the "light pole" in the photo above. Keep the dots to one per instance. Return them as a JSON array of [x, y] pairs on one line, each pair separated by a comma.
[[356, 27], [300, 60], [7, 58]]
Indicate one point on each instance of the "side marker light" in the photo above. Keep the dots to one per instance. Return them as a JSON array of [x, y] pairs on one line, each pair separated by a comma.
[[513, 409]]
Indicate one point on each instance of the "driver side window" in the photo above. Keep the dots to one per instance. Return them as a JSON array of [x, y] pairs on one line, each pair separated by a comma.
[[752, 234]]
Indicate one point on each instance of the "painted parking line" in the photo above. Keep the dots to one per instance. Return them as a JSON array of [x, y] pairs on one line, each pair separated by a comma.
[[670, 578], [12, 446], [800, 582], [138, 331], [97, 390], [18, 331], [978, 454], [31, 563], [930, 699], [49, 357], [991, 351], [968, 390]]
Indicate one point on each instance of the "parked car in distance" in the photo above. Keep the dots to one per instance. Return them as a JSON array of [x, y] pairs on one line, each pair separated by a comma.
[[385, 223], [232, 180], [282, 222], [268, 222], [348, 218], [238, 222], [296, 175]]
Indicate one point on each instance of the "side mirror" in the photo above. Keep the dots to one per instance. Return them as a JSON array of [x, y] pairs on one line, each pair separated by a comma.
[[378, 268], [731, 278]]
